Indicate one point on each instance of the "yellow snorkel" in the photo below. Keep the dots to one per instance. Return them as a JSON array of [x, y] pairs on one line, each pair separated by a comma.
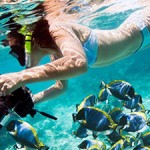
[[28, 39]]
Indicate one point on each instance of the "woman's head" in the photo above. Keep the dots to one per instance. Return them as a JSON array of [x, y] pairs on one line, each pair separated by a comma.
[[16, 42], [15, 38]]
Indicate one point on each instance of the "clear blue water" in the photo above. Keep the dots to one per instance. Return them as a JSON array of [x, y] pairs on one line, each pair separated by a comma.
[[58, 134]]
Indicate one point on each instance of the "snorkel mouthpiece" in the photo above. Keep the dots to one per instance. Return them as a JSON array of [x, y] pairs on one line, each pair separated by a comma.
[[28, 38]]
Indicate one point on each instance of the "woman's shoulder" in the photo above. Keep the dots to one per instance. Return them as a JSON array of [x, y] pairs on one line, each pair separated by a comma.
[[58, 25], [69, 25], [64, 29]]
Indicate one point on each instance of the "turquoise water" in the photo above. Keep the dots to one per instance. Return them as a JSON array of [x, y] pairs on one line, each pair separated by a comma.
[[58, 134]]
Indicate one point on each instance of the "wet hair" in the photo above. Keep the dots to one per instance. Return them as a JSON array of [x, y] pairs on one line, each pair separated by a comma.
[[42, 35], [18, 46], [18, 37]]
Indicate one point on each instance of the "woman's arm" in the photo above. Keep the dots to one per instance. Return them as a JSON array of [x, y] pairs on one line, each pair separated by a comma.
[[72, 63], [53, 91]]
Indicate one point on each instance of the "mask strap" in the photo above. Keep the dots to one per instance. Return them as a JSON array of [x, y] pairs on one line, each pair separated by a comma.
[[28, 45]]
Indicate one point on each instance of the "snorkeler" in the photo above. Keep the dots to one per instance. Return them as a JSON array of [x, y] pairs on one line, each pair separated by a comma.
[[72, 46]]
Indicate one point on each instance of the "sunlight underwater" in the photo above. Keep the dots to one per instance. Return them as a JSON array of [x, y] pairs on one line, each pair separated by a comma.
[[58, 134]]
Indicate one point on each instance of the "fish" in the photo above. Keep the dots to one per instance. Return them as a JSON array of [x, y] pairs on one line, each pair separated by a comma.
[[141, 147], [81, 132], [135, 121], [95, 119], [129, 140], [118, 146], [141, 108], [104, 93], [116, 113], [92, 145], [114, 137], [133, 103], [25, 134], [87, 101], [120, 89], [145, 138]]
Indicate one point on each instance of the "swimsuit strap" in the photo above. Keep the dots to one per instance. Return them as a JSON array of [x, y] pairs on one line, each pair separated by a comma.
[[91, 47], [146, 38]]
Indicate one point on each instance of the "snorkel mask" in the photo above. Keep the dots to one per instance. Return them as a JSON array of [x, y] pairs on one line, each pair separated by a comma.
[[19, 53], [22, 51]]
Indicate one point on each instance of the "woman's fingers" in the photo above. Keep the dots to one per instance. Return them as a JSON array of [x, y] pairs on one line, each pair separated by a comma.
[[7, 85], [6, 89]]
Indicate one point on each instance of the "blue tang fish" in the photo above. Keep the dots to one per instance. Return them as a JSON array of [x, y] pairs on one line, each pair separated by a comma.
[[118, 146], [94, 119], [88, 101], [135, 121], [104, 93], [141, 108], [116, 114], [92, 145], [120, 89], [81, 132], [141, 147], [145, 138], [25, 134], [114, 137], [134, 102]]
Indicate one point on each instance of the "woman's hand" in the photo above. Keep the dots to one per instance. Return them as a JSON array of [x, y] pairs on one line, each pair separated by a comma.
[[9, 82]]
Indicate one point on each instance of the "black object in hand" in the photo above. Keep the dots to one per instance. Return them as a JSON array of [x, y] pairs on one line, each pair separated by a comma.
[[24, 104], [20, 100]]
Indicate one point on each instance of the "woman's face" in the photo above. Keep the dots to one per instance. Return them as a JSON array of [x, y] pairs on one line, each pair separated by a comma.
[[17, 49], [12, 41]]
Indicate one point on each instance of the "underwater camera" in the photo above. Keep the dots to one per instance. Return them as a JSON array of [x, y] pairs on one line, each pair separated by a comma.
[[19, 103]]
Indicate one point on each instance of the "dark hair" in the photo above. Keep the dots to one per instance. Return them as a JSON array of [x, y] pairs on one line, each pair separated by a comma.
[[41, 34], [17, 47], [20, 38]]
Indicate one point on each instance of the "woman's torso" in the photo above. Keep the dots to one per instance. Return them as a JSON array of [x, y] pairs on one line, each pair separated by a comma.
[[113, 45]]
